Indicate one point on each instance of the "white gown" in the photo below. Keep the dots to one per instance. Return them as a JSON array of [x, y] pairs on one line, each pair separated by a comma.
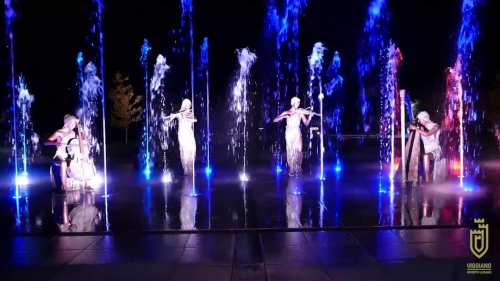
[[187, 145], [293, 139]]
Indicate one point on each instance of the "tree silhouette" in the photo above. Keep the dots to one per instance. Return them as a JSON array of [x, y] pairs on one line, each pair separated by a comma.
[[126, 105]]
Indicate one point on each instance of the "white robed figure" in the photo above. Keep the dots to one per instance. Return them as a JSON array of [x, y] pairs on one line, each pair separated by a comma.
[[293, 136], [185, 134]]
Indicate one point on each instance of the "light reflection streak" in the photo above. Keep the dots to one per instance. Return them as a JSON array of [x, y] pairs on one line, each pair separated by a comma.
[[321, 203], [460, 207]]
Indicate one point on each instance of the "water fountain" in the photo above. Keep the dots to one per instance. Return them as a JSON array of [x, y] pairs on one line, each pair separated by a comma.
[[316, 85], [145, 152], [28, 142], [204, 101], [158, 136], [333, 119], [89, 110], [460, 113], [97, 29], [373, 41], [239, 106], [389, 106], [187, 11], [10, 15], [283, 29]]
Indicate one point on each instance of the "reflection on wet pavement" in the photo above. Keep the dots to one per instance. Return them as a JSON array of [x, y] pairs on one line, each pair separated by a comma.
[[355, 198]]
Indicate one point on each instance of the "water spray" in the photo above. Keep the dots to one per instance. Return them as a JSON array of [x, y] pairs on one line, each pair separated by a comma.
[[98, 29], [158, 135], [10, 15], [334, 118], [28, 138], [206, 132], [392, 58], [239, 105], [315, 70], [373, 41], [460, 111], [145, 154]]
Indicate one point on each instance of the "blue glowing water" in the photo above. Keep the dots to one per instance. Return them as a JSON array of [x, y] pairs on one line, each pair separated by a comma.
[[158, 136], [373, 40], [467, 37], [28, 145], [336, 80], [80, 74], [145, 154], [334, 103], [10, 15], [98, 30], [239, 107], [315, 71], [204, 101], [89, 111], [316, 87], [282, 27], [391, 58]]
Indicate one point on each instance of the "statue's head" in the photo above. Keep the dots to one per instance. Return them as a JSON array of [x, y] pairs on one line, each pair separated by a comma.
[[295, 102], [423, 117], [70, 121], [186, 104]]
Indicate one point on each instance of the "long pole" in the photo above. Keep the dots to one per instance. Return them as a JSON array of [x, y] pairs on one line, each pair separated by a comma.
[[105, 153], [402, 95], [321, 149]]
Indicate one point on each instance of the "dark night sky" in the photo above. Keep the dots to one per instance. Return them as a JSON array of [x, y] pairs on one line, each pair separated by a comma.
[[49, 36]]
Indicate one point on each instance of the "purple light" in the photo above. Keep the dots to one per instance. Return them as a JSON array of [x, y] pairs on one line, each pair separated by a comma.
[[374, 37]]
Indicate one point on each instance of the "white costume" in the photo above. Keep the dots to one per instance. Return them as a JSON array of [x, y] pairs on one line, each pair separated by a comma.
[[431, 143], [187, 143]]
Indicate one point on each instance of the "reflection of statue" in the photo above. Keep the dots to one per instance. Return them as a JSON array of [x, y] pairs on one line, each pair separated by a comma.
[[294, 202], [432, 215], [409, 197], [189, 204], [77, 213]]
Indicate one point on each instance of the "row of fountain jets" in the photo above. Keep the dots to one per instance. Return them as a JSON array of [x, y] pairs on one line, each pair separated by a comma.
[[91, 85]]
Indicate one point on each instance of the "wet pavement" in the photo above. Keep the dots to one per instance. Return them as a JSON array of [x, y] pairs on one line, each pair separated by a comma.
[[351, 226], [354, 197], [411, 254]]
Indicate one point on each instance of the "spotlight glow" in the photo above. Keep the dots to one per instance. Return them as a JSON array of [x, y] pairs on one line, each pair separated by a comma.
[[244, 177], [166, 177], [22, 180], [208, 171]]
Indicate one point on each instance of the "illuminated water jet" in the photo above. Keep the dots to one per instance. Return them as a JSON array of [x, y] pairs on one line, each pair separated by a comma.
[[158, 136], [29, 139], [89, 110], [460, 112], [10, 15], [239, 106], [315, 83], [98, 43], [204, 100], [333, 119], [145, 156], [391, 59], [373, 41], [282, 28]]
